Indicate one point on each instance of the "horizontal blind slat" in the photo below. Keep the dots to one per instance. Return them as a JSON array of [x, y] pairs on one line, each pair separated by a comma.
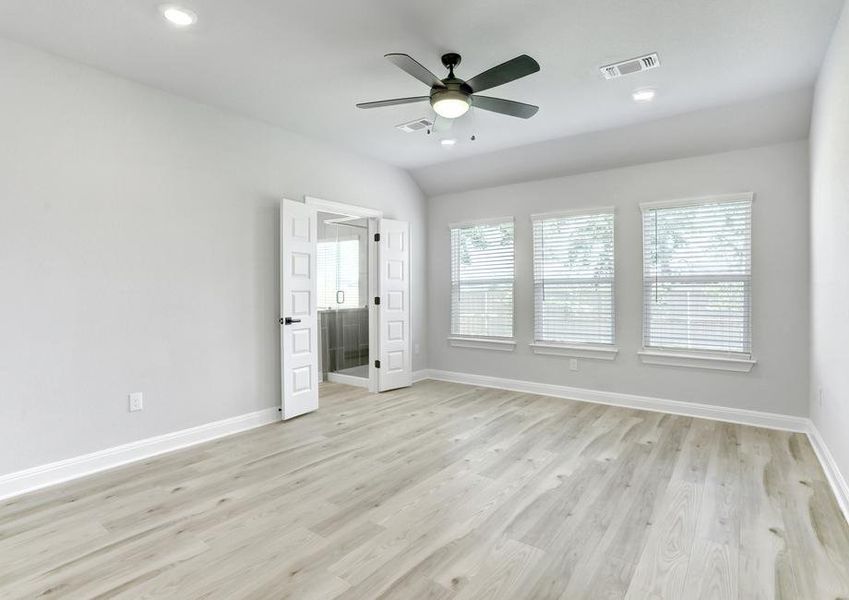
[[697, 277], [482, 273], [338, 270], [573, 278]]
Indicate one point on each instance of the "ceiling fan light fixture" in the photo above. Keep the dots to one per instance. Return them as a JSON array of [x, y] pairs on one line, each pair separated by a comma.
[[450, 103]]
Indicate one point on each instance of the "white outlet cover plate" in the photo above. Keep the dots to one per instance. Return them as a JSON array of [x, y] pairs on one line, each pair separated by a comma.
[[136, 401]]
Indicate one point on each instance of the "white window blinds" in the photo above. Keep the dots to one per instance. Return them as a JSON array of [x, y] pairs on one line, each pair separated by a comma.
[[573, 278], [697, 263], [338, 284], [482, 279]]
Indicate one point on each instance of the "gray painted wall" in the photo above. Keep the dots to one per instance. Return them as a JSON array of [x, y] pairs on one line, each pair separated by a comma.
[[139, 252], [830, 248], [778, 175]]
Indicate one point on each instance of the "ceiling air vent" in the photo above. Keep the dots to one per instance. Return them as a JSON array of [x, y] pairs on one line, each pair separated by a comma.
[[417, 125], [633, 65]]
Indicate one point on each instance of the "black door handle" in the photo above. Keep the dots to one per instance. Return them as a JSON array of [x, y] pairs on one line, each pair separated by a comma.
[[289, 321]]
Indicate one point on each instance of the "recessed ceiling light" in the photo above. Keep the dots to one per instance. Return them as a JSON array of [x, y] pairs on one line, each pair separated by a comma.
[[180, 17], [643, 95], [448, 142]]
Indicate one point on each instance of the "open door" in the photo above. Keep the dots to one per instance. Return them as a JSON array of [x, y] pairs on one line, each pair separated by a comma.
[[298, 309], [395, 370]]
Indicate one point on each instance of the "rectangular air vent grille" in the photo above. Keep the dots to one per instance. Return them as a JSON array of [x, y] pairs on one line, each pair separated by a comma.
[[417, 125], [633, 65]]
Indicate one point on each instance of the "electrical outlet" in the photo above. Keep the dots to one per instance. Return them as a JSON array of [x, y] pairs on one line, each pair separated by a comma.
[[573, 364], [819, 397], [136, 401]]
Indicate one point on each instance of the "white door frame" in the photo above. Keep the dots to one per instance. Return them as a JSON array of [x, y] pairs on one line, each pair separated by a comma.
[[372, 215]]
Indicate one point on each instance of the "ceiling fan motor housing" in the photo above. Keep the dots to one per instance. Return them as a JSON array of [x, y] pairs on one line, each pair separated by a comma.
[[451, 60], [454, 89], [454, 97]]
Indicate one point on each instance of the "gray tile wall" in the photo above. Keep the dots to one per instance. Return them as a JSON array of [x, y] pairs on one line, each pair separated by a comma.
[[343, 339]]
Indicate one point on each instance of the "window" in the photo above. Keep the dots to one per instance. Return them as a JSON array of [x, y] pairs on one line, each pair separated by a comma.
[[697, 266], [338, 283], [573, 277], [482, 279]]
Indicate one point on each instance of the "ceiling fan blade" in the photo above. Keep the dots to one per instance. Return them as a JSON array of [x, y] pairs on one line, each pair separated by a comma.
[[505, 107], [414, 68], [506, 72], [392, 102]]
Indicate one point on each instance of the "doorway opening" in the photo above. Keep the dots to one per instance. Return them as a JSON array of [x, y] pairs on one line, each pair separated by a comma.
[[342, 295], [344, 301]]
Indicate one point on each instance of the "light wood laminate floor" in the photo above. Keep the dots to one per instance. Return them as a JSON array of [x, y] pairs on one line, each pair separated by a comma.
[[444, 491]]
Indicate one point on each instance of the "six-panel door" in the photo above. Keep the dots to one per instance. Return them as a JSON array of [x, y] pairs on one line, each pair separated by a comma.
[[394, 314], [298, 310]]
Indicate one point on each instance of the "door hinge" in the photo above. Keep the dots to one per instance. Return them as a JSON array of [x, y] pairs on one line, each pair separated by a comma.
[[376, 237], [377, 300], [377, 364]]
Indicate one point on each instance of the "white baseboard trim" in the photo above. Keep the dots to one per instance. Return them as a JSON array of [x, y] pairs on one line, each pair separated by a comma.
[[35, 478], [676, 407], [42, 476], [348, 379], [689, 409], [829, 465], [21, 482]]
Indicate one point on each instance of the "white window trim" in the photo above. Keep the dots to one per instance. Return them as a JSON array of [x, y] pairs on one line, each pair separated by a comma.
[[597, 351], [739, 363], [483, 343], [718, 199], [698, 360], [482, 221], [573, 349], [574, 212]]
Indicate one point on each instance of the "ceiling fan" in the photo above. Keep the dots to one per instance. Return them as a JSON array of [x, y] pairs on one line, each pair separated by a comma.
[[452, 97]]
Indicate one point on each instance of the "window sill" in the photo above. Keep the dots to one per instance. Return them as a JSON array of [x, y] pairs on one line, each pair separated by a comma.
[[504, 345], [575, 350], [697, 361]]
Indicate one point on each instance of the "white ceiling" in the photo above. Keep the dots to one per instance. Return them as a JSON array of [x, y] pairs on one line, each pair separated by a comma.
[[777, 118], [303, 65]]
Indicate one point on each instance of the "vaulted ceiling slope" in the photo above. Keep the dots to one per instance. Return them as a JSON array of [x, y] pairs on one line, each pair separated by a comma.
[[772, 119], [303, 65]]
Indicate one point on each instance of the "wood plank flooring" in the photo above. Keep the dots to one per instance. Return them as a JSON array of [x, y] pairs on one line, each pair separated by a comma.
[[444, 491]]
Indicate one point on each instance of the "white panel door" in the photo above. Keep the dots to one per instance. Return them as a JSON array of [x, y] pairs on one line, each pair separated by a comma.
[[298, 311], [394, 310]]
